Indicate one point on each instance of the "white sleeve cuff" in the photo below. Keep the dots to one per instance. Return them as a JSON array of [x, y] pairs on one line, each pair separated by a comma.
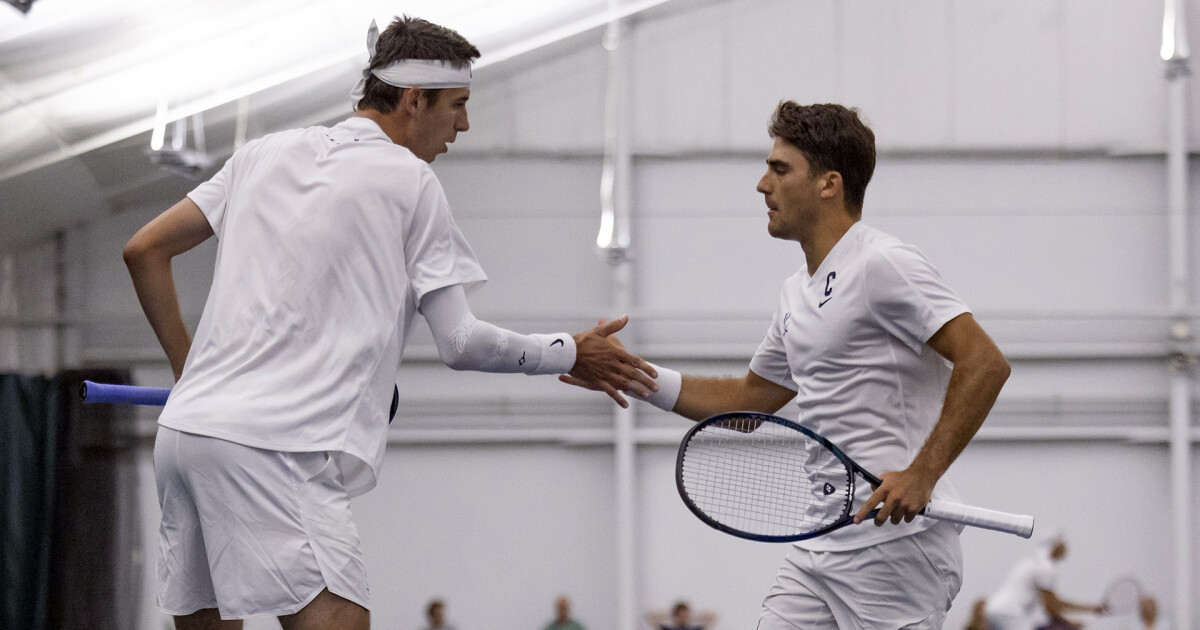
[[670, 383], [558, 354]]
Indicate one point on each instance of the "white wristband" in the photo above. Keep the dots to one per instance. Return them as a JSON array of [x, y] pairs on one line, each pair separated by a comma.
[[558, 354], [670, 383]]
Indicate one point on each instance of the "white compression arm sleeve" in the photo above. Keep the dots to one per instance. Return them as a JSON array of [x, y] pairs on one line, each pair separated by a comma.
[[465, 343]]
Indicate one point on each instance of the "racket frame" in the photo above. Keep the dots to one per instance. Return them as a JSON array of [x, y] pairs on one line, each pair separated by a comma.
[[850, 466], [1110, 590], [1016, 524]]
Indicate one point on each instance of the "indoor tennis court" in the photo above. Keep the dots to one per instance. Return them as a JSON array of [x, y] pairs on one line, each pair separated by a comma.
[[1036, 152]]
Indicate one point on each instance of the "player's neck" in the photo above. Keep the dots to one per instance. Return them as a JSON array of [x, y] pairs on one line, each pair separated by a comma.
[[393, 125], [823, 236]]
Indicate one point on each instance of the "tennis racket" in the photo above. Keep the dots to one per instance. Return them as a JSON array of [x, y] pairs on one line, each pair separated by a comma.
[[92, 392], [1122, 597], [766, 478]]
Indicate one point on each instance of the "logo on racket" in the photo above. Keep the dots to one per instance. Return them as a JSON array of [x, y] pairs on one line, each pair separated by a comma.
[[829, 489]]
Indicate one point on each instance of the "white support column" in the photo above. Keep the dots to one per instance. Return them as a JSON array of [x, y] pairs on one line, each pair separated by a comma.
[[1175, 53], [613, 241]]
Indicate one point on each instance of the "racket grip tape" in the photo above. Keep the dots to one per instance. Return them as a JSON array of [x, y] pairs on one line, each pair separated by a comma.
[[92, 392], [1018, 524]]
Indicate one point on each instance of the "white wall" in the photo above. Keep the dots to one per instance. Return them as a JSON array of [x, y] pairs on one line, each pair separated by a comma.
[[1021, 149]]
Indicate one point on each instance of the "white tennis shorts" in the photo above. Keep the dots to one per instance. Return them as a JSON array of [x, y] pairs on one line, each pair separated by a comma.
[[906, 583], [251, 531]]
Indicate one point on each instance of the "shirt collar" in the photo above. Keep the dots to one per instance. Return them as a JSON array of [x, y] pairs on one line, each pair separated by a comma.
[[363, 128]]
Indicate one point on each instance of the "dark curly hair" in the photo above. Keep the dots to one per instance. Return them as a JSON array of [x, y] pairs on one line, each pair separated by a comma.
[[832, 138], [412, 38]]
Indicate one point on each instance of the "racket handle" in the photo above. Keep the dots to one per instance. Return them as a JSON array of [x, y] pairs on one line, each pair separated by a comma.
[[92, 392], [1019, 524]]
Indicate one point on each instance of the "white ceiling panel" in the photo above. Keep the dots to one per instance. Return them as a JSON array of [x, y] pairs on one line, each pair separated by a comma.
[[81, 82]]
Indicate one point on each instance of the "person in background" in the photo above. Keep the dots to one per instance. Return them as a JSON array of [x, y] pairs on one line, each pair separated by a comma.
[[436, 613], [1148, 615], [681, 618], [562, 616], [1026, 599]]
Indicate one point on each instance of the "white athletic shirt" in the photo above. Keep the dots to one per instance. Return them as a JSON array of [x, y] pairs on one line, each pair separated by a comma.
[[1017, 597], [850, 340], [328, 239]]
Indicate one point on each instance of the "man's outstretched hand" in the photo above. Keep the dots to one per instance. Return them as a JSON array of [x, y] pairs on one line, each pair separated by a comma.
[[602, 364]]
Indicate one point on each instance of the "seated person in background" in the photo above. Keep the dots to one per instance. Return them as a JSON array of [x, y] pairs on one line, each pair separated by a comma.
[[436, 612], [1148, 615], [562, 616], [681, 618]]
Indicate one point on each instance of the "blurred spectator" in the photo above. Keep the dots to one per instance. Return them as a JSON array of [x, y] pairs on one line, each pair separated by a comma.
[[436, 612], [562, 617], [681, 618]]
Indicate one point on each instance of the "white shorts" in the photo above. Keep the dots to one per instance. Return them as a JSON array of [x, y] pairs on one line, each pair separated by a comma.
[[904, 583], [251, 531]]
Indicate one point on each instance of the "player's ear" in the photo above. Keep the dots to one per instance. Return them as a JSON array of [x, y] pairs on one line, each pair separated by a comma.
[[831, 184], [410, 99]]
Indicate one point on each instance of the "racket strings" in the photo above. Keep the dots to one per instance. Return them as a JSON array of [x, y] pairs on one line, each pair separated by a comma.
[[722, 468], [764, 479], [783, 500], [1122, 598]]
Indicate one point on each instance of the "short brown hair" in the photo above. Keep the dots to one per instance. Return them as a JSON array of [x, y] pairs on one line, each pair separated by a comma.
[[412, 38], [832, 138]]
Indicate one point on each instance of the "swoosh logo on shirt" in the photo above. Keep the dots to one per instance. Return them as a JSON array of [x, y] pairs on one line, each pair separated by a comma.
[[823, 302]]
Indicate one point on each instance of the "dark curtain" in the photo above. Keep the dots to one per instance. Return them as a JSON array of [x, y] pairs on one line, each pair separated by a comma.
[[70, 494], [29, 422]]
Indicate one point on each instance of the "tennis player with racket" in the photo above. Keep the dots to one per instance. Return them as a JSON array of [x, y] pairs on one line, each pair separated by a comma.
[[1027, 598], [863, 339], [331, 241]]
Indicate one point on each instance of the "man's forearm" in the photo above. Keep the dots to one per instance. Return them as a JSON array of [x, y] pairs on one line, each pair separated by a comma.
[[155, 286], [702, 397]]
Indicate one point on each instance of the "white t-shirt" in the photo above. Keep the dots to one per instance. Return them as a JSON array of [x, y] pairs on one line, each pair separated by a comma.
[[328, 239], [1018, 597], [850, 340]]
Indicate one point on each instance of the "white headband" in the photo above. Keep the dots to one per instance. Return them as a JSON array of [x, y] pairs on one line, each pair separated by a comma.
[[425, 73]]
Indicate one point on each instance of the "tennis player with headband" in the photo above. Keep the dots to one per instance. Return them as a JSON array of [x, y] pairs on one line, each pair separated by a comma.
[[331, 240], [860, 339]]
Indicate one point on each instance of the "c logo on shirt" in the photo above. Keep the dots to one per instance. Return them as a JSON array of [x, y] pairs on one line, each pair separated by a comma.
[[828, 289], [786, 317]]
